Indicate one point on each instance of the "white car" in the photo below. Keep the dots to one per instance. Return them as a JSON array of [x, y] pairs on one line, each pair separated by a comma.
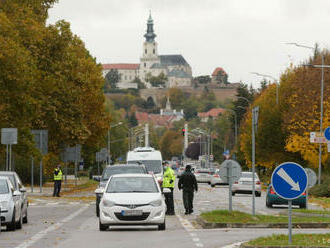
[[216, 179], [244, 184], [11, 205], [203, 175], [132, 199]]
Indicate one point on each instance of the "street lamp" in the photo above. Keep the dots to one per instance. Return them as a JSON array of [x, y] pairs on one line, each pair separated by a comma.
[[322, 66], [119, 123], [269, 76]]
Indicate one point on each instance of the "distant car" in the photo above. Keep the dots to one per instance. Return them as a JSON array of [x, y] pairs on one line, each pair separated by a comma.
[[18, 186], [203, 175], [11, 205], [180, 171], [216, 179], [114, 170], [244, 184], [273, 199], [132, 199]]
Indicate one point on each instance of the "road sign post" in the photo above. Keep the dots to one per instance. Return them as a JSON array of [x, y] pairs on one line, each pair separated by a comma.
[[8, 138], [312, 179], [289, 181], [229, 171]]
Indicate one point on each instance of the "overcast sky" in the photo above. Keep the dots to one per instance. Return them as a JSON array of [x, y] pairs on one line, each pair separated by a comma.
[[241, 36]]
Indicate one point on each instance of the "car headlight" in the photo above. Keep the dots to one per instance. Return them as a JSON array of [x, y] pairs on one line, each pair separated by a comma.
[[4, 205], [156, 203], [108, 203]]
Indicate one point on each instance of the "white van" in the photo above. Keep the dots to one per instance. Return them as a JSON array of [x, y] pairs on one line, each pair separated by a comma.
[[151, 158]]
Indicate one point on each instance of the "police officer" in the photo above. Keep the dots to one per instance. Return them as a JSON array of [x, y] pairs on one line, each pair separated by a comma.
[[168, 182], [57, 180], [188, 183]]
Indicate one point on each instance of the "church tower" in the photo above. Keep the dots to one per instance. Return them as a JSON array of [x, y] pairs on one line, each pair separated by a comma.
[[150, 53]]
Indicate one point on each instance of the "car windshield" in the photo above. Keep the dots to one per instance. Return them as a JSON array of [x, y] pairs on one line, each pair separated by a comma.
[[4, 187], [132, 185], [248, 175], [203, 171], [11, 178], [154, 166], [113, 170]]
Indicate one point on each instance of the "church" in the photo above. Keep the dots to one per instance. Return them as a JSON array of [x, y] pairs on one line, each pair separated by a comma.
[[176, 69]]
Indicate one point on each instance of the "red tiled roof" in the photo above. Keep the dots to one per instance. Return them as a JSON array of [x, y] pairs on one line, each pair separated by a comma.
[[156, 119], [212, 112], [121, 66], [216, 70]]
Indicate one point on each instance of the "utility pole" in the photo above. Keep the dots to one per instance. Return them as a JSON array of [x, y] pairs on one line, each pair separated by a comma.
[[146, 130]]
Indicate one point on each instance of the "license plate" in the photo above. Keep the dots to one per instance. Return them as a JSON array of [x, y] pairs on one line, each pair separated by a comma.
[[131, 212], [247, 183]]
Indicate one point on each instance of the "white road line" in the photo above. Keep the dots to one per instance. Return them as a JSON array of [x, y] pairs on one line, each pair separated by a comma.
[[235, 245], [57, 225]]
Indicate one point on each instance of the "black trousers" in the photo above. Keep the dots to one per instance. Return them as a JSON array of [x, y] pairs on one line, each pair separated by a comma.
[[57, 187], [169, 202], [188, 198]]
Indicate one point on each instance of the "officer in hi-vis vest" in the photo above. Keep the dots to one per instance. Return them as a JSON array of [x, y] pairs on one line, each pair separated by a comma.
[[57, 180]]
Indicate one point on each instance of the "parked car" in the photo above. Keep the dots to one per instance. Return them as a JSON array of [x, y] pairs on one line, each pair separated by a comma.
[[216, 179], [273, 199], [113, 170], [132, 199], [11, 205], [18, 186], [244, 184], [203, 175]]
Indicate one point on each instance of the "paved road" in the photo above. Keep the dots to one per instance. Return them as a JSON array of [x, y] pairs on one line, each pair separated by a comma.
[[57, 223]]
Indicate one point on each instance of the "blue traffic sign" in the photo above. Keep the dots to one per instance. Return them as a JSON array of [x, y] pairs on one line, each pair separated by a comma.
[[289, 180], [327, 133]]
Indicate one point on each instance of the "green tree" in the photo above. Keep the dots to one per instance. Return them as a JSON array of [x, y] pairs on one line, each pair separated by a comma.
[[157, 81], [111, 79], [222, 77]]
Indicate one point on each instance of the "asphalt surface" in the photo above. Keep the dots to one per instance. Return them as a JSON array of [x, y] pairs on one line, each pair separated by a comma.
[[54, 222]]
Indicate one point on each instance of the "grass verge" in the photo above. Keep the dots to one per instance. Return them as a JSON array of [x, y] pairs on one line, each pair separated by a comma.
[[224, 216], [90, 185], [311, 211], [301, 240], [322, 201]]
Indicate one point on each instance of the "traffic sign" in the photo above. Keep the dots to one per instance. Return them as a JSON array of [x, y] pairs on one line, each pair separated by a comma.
[[235, 170], [289, 180], [9, 136], [317, 137], [311, 176], [327, 133]]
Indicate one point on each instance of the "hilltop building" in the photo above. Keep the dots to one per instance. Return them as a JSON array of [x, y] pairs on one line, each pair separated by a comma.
[[174, 67]]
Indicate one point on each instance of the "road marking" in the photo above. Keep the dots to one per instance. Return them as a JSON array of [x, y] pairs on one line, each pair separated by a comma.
[[235, 245], [57, 225]]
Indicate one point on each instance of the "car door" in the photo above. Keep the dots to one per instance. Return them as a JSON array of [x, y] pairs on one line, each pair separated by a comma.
[[17, 201], [23, 193]]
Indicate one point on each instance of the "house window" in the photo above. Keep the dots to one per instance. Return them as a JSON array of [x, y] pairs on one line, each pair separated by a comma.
[[145, 51]]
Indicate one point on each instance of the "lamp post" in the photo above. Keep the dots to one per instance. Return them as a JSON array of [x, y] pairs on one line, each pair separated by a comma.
[[269, 76], [322, 66], [108, 158]]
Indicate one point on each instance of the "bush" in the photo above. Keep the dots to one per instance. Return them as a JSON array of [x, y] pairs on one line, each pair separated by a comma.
[[322, 190]]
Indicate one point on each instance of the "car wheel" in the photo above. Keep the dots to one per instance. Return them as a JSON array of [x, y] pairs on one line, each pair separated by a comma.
[[162, 226], [25, 218], [102, 227], [212, 185], [209, 183], [258, 194], [302, 205], [268, 205], [12, 225], [232, 193], [19, 224]]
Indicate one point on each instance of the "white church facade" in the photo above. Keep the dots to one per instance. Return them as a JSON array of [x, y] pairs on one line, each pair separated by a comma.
[[176, 69]]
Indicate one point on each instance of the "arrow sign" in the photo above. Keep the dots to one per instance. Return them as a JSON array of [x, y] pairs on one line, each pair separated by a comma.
[[295, 186], [289, 180]]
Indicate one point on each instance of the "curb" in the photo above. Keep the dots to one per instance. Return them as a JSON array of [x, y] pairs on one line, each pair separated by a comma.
[[211, 225], [250, 246]]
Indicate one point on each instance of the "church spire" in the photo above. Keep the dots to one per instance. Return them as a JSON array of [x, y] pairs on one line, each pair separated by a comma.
[[150, 35]]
